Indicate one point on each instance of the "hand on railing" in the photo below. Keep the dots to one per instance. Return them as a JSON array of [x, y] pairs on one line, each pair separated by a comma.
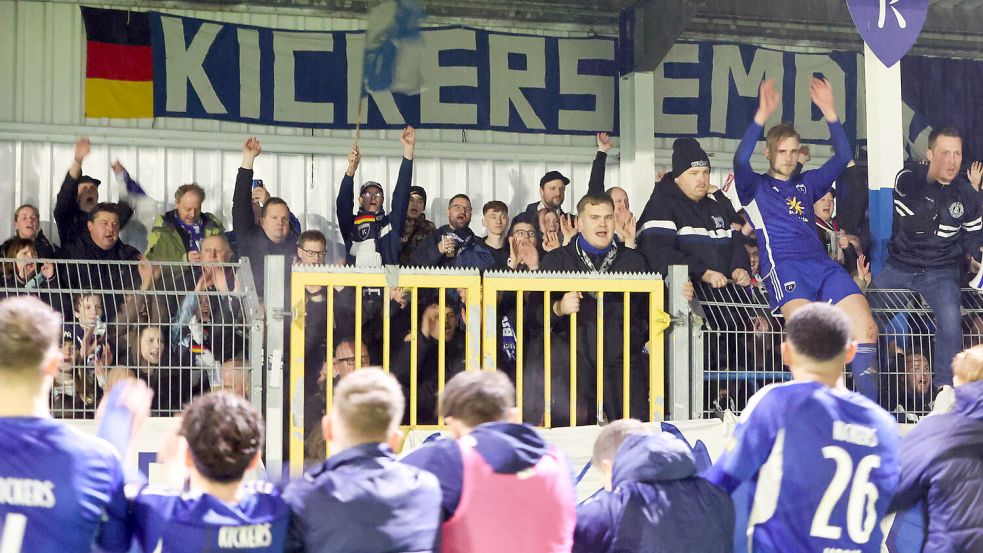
[[741, 277], [714, 279], [569, 303]]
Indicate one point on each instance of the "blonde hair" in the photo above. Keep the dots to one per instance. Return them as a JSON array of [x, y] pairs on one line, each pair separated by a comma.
[[968, 365], [30, 331], [369, 403]]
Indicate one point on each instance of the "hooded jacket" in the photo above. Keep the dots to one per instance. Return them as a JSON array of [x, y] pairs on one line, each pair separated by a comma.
[[942, 465], [657, 504], [508, 449], [361, 499], [675, 230]]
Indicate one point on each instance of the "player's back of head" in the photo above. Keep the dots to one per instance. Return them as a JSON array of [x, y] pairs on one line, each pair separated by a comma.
[[224, 433], [613, 435], [369, 403], [477, 397], [821, 334], [968, 366], [30, 333]]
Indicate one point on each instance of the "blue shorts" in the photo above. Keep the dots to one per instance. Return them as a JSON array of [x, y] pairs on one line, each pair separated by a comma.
[[810, 279]]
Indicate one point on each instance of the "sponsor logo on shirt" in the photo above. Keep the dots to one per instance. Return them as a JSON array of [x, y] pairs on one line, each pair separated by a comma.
[[245, 537], [25, 492]]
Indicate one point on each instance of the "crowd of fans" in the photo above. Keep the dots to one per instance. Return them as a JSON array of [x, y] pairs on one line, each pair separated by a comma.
[[191, 331]]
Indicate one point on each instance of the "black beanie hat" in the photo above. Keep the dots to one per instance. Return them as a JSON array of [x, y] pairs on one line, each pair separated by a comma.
[[686, 154]]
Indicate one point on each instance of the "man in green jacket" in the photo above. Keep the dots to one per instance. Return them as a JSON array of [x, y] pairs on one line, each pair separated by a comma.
[[178, 234]]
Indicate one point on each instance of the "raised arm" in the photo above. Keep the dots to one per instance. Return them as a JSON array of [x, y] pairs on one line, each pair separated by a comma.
[[821, 180], [401, 194], [345, 202], [242, 198], [744, 177], [66, 204], [595, 185]]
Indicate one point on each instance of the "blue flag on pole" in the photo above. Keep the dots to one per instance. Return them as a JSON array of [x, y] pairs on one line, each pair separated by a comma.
[[393, 45]]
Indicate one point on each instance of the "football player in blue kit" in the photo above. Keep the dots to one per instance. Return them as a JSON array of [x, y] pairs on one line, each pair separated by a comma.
[[220, 439], [796, 267], [60, 490], [820, 462]]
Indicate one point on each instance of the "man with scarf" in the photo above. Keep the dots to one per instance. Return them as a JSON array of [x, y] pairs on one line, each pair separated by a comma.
[[595, 252], [372, 237], [178, 234], [454, 244]]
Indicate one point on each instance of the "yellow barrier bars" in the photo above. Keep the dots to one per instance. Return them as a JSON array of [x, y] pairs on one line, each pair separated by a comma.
[[329, 358], [358, 327], [414, 330], [386, 342], [659, 320], [547, 362], [519, 333], [442, 343], [573, 369], [296, 384], [360, 278], [599, 377], [626, 358], [494, 282]]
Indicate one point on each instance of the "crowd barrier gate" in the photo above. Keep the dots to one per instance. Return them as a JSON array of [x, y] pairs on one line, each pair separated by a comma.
[[547, 283], [464, 282]]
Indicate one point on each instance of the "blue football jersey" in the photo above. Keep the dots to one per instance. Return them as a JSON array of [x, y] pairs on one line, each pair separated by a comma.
[[821, 465], [191, 522], [60, 490], [782, 211]]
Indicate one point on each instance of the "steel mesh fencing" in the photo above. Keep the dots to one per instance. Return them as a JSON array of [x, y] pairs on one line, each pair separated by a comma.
[[183, 328], [741, 341]]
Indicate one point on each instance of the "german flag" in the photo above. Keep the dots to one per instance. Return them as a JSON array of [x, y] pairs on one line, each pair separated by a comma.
[[119, 77]]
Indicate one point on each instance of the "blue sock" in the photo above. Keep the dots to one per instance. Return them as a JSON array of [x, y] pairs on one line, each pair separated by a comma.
[[864, 369]]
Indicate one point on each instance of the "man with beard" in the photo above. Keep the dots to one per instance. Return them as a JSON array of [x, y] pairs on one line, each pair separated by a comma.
[[78, 195], [373, 237], [454, 244], [553, 185], [418, 228]]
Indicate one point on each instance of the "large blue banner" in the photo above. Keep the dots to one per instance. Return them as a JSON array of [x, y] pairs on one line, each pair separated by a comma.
[[473, 79], [711, 89]]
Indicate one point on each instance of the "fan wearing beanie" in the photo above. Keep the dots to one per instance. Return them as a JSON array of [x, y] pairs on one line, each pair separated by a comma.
[[683, 224], [796, 266]]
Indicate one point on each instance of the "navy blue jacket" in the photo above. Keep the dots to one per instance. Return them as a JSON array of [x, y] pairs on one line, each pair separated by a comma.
[[934, 226], [942, 465], [508, 448], [363, 500], [657, 504], [390, 239]]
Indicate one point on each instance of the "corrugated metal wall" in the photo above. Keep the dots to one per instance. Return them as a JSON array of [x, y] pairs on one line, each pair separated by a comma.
[[41, 76]]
